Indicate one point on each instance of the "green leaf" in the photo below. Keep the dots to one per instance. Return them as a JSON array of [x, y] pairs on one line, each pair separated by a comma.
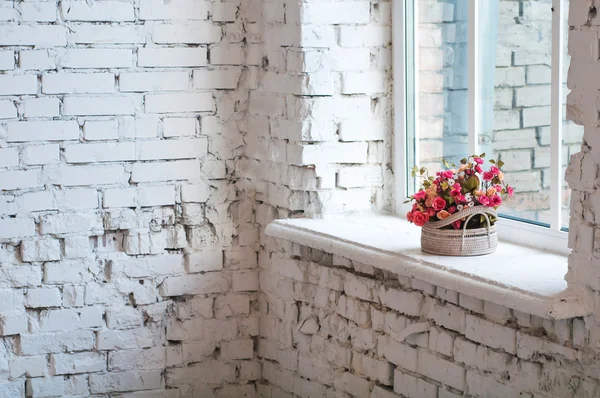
[[413, 173], [496, 180], [463, 161], [407, 200], [422, 171], [492, 161], [472, 183], [482, 155], [500, 163]]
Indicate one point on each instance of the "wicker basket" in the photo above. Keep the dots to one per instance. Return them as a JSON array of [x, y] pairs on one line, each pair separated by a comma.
[[465, 242]]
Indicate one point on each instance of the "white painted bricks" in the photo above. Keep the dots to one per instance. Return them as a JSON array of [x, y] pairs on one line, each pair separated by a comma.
[[112, 130]]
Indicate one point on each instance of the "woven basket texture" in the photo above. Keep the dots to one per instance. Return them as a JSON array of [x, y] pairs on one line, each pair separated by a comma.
[[461, 242]]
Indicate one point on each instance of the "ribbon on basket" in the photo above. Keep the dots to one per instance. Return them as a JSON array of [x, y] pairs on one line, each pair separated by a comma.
[[469, 213]]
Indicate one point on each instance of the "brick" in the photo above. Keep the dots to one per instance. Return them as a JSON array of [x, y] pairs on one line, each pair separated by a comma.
[[41, 36], [9, 157], [42, 131], [491, 334], [409, 303], [194, 284], [8, 110], [98, 153], [441, 370], [352, 384], [70, 319], [36, 60], [143, 359], [174, 10], [18, 84], [125, 381], [177, 127], [172, 57], [78, 83], [84, 362], [179, 103], [109, 34], [124, 339], [85, 58], [153, 81], [140, 267], [165, 171], [45, 297], [237, 349], [381, 371], [28, 366], [222, 78], [89, 175], [75, 271], [47, 386], [13, 323], [40, 250], [69, 223], [204, 261], [98, 106], [10, 180], [412, 387], [190, 33], [57, 342], [7, 60], [41, 107], [245, 282], [172, 149], [102, 11]]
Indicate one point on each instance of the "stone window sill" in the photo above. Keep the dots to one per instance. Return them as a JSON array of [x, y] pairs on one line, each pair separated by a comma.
[[521, 278]]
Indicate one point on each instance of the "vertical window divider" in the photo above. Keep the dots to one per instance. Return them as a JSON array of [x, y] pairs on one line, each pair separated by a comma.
[[473, 84], [556, 111], [405, 67], [400, 77]]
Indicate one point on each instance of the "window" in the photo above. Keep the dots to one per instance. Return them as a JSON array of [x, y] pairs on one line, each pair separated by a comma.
[[473, 76]]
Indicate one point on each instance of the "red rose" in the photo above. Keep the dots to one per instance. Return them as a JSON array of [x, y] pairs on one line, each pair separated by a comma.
[[496, 200], [409, 216], [439, 204], [488, 176], [456, 224], [452, 209], [430, 212], [420, 218]]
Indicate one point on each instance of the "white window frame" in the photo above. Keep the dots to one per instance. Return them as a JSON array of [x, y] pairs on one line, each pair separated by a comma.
[[552, 238]]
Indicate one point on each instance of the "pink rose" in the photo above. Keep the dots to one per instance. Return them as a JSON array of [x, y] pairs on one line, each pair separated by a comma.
[[484, 200], [478, 169], [494, 170], [478, 160], [420, 219], [452, 209], [456, 224], [496, 200], [420, 195], [510, 191], [439, 204], [448, 174], [488, 176]]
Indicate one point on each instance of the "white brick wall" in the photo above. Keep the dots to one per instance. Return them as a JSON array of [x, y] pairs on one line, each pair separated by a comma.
[[112, 128], [145, 145]]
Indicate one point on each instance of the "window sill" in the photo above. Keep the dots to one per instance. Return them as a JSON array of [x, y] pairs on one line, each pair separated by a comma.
[[521, 278]]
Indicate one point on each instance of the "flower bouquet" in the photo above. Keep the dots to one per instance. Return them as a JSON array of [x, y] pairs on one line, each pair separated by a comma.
[[457, 207]]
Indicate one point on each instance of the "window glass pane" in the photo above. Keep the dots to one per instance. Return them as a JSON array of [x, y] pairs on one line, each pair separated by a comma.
[[442, 121], [515, 55], [572, 133]]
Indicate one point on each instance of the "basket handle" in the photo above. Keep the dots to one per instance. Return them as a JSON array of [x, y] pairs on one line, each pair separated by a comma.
[[487, 219], [469, 211]]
